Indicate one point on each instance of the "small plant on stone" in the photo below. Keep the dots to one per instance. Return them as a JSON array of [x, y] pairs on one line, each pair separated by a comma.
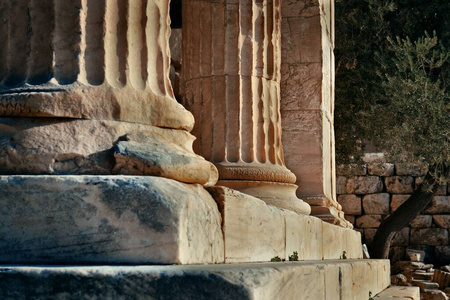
[[276, 259], [344, 254], [370, 295], [294, 256]]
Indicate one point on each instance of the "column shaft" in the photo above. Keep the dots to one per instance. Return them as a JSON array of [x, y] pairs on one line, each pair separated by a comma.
[[231, 83]]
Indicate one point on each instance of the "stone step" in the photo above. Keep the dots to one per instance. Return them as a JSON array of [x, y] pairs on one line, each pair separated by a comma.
[[330, 280], [399, 293], [425, 284]]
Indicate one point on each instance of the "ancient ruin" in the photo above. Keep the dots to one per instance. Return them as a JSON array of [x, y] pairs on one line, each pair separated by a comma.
[[98, 166]]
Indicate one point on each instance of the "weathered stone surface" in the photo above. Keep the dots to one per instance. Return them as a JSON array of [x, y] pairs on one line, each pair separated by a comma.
[[217, 74], [105, 219], [435, 295], [401, 238], [442, 254], [253, 231], [438, 205], [67, 147], [442, 190], [399, 292], [339, 280], [148, 155], [398, 200], [351, 204], [94, 69], [380, 169], [399, 184], [350, 219], [429, 236], [368, 221], [341, 182], [376, 204], [421, 221], [396, 254], [411, 169], [442, 221], [351, 170], [364, 185]]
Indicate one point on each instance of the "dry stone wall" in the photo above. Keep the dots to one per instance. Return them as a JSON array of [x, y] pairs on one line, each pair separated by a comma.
[[369, 193]]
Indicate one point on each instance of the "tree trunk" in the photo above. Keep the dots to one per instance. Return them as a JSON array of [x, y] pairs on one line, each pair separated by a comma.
[[404, 214]]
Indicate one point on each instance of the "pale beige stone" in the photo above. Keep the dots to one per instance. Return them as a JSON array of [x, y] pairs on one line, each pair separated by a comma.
[[253, 231], [55, 146], [104, 62], [400, 292], [231, 82], [108, 219], [307, 96], [376, 204], [260, 281]]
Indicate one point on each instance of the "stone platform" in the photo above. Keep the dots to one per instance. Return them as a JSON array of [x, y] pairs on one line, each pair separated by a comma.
[[331, 280], [153, 220]]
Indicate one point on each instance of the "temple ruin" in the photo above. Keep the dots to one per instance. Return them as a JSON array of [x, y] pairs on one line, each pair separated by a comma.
[[100, 174]]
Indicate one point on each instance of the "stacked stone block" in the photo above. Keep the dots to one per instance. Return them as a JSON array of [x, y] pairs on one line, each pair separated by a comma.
[[369, 193]]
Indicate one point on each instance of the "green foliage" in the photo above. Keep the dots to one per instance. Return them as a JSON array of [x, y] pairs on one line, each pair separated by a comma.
[[392, 79], [276, 259], [344, 254], [294, 256]]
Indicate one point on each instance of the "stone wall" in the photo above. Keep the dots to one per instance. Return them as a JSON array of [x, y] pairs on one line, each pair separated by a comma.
[[369, 193]]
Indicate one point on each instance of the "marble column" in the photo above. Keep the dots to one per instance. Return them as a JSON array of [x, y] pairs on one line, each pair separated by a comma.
[[231, 84], [88, 59], [307, 89], [85, 89]]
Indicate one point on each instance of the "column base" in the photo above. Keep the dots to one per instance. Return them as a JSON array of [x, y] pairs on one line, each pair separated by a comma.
[[328, 210], [281, 195]]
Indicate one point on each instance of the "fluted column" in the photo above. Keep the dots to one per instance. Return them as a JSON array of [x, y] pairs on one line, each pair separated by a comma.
[[89, 59], [231, 83]]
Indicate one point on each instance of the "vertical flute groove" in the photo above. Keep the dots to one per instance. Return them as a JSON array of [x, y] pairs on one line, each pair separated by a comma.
[[5, 13], [136, 43], [41, 52], [155, 65], [67, 41], [19, 46]]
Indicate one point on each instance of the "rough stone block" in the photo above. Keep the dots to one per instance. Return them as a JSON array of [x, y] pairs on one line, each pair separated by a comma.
[[398, 200], [368, 221], [381, 169], [107, 219], [351, 204], [400, 292], [350, 219], [442, 190], [364, 185], [422, 221], [253, 231], [442, 221], [304, 235], [397, 254], [351, 170], [369, 233], [442, 254], [411, 169], [336, 240], [429, 236], [401, 238], [337, 280], [438, 205], [341, 182], [399, 184], [376, 204]]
